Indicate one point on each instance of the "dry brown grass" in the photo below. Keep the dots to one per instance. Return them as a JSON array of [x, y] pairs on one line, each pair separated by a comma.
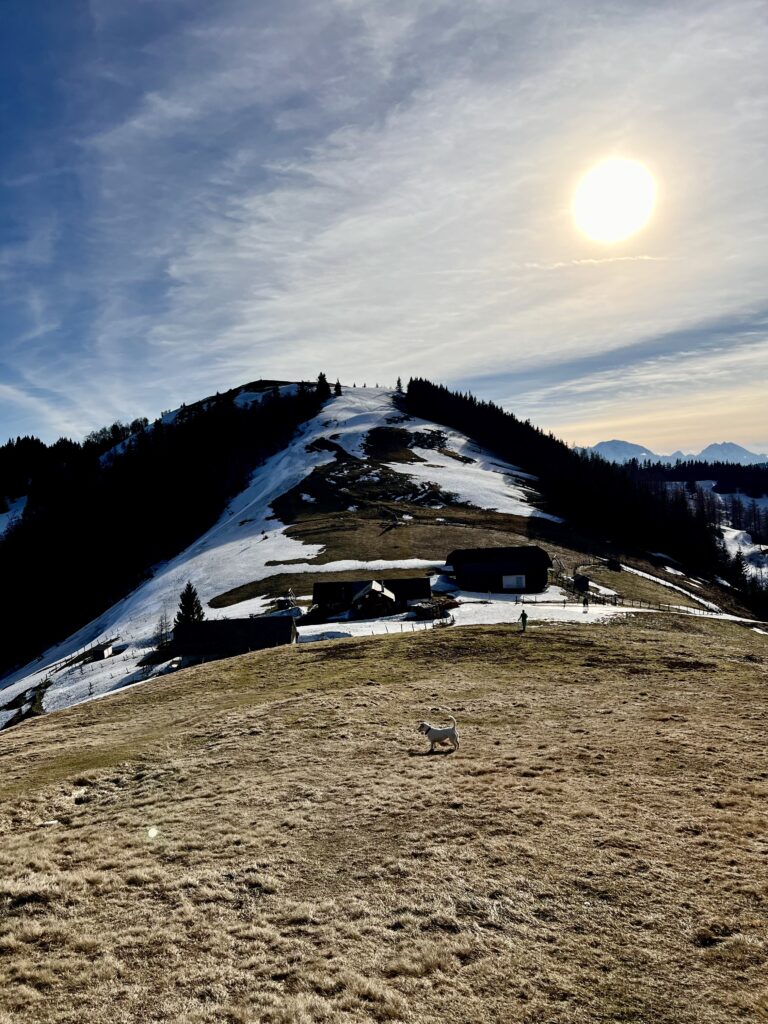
[[431, 534], [637, 588], [596, 851]]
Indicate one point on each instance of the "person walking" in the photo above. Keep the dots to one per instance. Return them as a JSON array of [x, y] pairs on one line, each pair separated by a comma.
[[523, 618], [586, 603]]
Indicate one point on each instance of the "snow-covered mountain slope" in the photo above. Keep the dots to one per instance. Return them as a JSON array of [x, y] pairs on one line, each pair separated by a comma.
[[15, 509], [725, 451], [248, 394], [249, 543]]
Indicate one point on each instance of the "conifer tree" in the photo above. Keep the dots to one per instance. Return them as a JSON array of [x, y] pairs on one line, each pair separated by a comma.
[[739, 569], [399, 386], [190, 609], [323, 387], [337, 388]]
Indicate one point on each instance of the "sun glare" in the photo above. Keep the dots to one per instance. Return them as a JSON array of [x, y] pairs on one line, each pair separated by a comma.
[[614, 200]]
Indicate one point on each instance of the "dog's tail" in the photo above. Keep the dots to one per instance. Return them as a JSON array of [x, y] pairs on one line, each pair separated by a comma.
[[447, 713]]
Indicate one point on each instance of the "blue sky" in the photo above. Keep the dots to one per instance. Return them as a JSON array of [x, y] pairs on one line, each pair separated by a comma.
[[193, 195]]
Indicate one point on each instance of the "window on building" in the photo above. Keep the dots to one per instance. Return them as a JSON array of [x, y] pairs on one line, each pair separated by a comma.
[[513, 582]]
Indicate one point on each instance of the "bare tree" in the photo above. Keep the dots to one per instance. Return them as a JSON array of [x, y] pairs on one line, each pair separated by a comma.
[[163, 632]]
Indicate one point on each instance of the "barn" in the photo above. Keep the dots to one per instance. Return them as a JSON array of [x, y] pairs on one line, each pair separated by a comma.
[[522, 570], [335, 596], [223, 638]]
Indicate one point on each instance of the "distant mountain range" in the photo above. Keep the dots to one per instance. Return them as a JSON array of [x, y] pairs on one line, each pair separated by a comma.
[[724, 451]]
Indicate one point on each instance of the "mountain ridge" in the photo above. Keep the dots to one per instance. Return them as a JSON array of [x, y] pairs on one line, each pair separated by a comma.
[[620, 451]]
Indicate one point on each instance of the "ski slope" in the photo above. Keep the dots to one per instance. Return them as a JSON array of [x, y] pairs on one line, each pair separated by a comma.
[[249, 543]]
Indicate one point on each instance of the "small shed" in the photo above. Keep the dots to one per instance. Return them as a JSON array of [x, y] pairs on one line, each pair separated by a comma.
[[224, 638], [99, 651], [522, 570], [334, 596]]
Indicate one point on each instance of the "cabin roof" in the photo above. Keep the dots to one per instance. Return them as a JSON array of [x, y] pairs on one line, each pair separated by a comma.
[[263, 627], [402, 589], [524, 556], [374, 587]]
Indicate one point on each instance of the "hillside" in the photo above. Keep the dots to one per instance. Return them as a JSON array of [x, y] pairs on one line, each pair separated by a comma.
[[261, 840], [316, 504], [360, 487]]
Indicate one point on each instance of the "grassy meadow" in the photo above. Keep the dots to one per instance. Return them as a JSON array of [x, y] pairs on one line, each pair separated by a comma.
[[264, 840]]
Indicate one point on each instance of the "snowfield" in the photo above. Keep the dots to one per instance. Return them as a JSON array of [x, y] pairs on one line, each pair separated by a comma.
[[15, 509], [483, 481]]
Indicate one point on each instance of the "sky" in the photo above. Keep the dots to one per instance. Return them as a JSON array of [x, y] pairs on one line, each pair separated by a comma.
[[196, 195]]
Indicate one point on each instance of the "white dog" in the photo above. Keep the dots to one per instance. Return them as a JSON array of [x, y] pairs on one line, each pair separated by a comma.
[[448, 734]]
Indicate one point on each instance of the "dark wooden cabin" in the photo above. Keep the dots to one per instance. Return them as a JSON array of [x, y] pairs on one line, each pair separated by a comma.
[[373, 600], [224, 638], [522, 570], [335, 596]]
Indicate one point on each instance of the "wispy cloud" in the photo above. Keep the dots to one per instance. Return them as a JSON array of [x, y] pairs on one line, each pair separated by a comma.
[[384, 189]]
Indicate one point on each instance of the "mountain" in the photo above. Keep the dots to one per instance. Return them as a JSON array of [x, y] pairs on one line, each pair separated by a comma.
[[621, 451], [728, 451], [725, 451], [325, 502]]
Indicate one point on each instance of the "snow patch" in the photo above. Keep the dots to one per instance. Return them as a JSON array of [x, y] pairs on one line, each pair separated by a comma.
[[755, 556], [474, 610], [15, 511], [483, 482]]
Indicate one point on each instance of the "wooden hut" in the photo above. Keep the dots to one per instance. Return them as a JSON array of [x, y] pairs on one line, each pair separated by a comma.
[[373, 600], [522, 570], [335, 596]]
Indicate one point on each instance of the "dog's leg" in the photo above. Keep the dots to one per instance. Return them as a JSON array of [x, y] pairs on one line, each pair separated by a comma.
[[455, 742]]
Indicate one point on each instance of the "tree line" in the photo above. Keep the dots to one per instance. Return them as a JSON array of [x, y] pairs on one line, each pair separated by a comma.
[[728, 477], [620, 507]]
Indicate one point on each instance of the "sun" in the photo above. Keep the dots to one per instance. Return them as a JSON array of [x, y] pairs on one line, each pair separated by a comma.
[[614, 200]]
